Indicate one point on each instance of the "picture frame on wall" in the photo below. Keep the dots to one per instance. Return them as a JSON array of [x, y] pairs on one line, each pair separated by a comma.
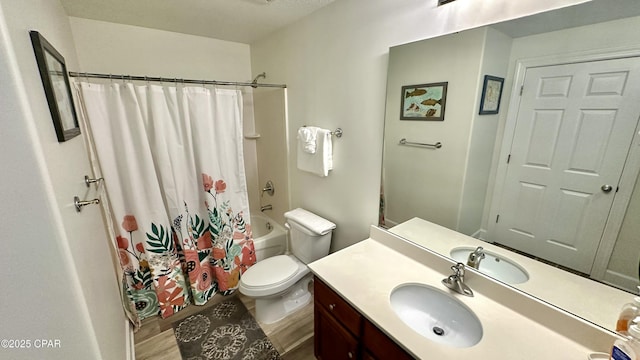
[[55, 81], [491, 95], [424, 102]]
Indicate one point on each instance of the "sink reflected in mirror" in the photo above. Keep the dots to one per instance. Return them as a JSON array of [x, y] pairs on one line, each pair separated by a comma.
[[494, 265], [436, 315]]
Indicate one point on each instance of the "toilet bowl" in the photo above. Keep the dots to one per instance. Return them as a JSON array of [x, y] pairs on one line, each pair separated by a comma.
[[279, 284]]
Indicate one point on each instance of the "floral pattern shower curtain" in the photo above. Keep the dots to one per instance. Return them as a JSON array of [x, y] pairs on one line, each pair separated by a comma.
[[172, 162]]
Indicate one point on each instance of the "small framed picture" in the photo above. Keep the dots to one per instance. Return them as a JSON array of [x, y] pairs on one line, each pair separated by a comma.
[[423, 102], [53, 72], [491, 94]]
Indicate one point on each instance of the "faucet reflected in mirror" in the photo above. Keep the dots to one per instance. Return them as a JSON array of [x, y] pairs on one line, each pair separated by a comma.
[[475, 257], [458, 186]]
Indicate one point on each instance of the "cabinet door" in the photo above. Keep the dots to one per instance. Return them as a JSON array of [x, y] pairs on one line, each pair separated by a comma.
[[379, 346], [331, 340], [366, 355]]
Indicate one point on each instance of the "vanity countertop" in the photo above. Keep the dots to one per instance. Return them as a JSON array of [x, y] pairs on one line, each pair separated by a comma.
[[601, 306], [515, 325]]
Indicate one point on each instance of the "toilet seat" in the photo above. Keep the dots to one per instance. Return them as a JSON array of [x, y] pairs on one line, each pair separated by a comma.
[[271, 276]]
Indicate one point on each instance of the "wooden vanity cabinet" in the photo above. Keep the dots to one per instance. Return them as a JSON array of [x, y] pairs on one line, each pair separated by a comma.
[[336, 325], [378, 346], [341, 332]]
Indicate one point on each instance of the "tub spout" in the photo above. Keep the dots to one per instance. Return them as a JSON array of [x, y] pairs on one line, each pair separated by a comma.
[[266, 207]]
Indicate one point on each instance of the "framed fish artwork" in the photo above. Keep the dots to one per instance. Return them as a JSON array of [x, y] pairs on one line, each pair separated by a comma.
[[423, 102]]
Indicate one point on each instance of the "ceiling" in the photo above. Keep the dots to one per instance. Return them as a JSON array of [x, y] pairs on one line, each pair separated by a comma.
[[243, 21], [572, 16]]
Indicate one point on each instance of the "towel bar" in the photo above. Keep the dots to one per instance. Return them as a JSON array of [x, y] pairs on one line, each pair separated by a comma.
[[404, 141], [337, 132]]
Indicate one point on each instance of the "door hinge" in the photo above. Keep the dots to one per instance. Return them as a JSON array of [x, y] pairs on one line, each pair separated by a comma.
[[508, 158], [497, 218], [521, 89]]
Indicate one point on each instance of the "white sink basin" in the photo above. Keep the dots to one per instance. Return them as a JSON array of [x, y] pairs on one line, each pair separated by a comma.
[[436, 315], [494, 265]]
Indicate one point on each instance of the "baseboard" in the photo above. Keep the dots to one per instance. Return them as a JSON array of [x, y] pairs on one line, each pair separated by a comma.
[[621, 281], [481, 234], [389, 223], [130, 341]]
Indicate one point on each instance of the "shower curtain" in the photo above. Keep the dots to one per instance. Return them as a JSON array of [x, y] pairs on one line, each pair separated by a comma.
[[172, 163]]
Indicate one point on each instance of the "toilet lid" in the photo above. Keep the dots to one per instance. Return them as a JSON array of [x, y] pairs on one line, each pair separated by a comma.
[[271, 271]]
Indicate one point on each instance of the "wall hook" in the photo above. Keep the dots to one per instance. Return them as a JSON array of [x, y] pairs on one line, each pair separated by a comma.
[[90, 181], [81, 203]]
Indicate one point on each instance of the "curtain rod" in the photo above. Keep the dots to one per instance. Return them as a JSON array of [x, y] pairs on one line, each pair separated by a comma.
[[170, 80]]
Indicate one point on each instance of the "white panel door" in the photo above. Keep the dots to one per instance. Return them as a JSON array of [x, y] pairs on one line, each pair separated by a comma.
[[574, 129]]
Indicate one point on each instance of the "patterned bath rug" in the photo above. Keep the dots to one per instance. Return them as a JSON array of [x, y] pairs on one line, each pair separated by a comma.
[[224, 331]]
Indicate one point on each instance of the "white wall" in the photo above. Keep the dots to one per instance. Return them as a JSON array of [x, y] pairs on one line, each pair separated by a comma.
[[334, 63], [124, 49], [111, 48], [270, 117], [624, 259], [59, 283], [424, 182], [495, 61]]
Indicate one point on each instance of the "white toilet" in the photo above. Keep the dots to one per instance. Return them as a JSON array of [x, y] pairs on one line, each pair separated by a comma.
[[280, 283]]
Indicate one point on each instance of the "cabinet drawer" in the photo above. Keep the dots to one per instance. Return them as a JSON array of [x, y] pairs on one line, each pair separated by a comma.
[[379, 346], [336, 306]]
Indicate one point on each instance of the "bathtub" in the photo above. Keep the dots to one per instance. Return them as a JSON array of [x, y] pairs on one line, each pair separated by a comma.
[[269, 237]]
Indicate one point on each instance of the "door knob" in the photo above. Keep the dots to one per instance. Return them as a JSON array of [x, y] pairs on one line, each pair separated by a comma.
[[606, 188]]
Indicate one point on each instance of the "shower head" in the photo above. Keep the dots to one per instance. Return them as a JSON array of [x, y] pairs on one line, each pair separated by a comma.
[[255, 80]]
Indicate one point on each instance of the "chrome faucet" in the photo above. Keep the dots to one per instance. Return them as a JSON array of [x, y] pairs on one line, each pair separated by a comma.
[[475, 257], [266, 207], [455, 282]]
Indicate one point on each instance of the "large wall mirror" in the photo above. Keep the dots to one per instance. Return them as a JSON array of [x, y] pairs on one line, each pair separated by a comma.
[[553, 174]]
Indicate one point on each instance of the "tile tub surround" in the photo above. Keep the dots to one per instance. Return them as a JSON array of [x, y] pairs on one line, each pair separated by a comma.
[[601, 306], [515, 325]]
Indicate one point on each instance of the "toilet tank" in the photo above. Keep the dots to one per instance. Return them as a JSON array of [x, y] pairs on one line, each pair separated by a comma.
[[310, 235]]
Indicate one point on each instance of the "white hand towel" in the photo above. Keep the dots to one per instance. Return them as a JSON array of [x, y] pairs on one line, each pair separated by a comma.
[[307, 136], [322, 161]]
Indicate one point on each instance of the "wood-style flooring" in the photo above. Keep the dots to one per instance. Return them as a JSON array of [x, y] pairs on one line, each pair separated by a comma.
[[292, 336]]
